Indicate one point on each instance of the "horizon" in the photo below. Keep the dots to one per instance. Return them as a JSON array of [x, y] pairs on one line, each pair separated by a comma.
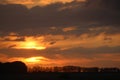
[[32, 66]]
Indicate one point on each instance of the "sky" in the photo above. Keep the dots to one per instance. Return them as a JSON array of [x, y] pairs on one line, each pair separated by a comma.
[[60, 32]]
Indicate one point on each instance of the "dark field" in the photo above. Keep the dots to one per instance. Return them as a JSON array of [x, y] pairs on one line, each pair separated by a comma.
[[61, 76]]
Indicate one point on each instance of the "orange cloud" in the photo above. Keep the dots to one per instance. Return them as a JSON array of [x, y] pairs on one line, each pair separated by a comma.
[[88, 41], [69, 29], [43, 61], [29, 61], [11, 38], [60, 41], [98, 60], [109, 57], [31, 3], [47, 2], [29, 42], [106, 60], [99, 28]]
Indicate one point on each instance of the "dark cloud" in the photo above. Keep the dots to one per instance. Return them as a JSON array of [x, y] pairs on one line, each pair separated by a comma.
[[93, 13], [106, 4], [92, 51], [105, 12]]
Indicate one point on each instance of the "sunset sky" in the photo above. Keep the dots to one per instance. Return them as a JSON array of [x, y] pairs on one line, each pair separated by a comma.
[[60, 32]]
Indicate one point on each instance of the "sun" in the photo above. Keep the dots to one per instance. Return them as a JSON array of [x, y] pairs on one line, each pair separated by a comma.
[[30, 45], [33, 45], [35, 60]]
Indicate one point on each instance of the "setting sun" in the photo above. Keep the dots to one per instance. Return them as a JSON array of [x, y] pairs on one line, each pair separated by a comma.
[[33, 45], [35, 60], [30, 43]]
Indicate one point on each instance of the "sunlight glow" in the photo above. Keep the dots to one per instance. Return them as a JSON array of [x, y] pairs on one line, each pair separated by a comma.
[[33, 45], [32, 3], [34, 59], [30, 43]]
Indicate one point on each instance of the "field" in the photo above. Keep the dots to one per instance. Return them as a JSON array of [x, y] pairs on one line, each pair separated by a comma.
[[61, 76]]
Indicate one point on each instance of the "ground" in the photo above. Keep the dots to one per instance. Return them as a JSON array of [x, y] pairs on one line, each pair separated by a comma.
[[61, 76]]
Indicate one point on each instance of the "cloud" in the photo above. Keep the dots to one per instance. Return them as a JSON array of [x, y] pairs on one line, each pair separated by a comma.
[[32, 3], [23, 42], [69, 29], [87, 41], [89, 60], [42, 18], [107, 60], [56, 44], [111, 4]]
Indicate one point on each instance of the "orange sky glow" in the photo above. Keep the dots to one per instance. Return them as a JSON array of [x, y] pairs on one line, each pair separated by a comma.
[[30, 45], [43, 42], [32, 3], [60, 32]]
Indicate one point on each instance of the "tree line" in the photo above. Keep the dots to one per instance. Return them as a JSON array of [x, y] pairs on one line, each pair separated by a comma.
[[20, 68], [38, 69]]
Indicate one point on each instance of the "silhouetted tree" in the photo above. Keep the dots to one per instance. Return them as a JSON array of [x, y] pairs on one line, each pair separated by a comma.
[[71, 69], [13, 67], [58, 69], [94, 69], [109, 70]]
